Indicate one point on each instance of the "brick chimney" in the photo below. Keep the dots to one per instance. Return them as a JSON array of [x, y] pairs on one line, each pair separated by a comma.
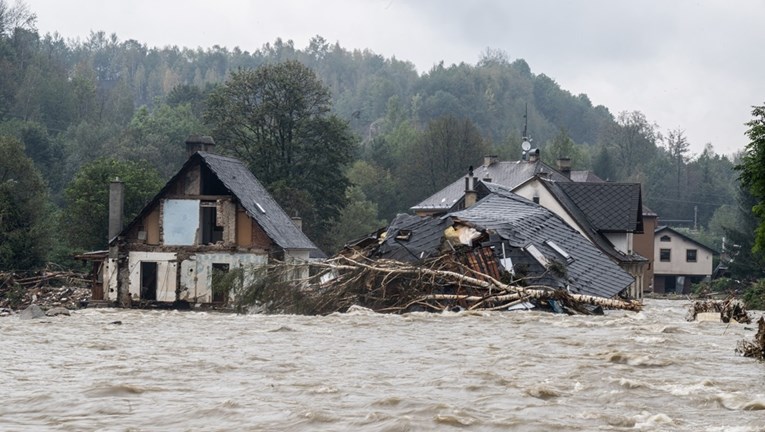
[[116, 207], [490, 160], [199, 143], [564, 166], [471, 196]]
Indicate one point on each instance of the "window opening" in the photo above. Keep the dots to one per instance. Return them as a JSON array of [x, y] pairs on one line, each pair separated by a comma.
[[690, 255], [148, 281], [211, 232], [665, 255], [219, 289]]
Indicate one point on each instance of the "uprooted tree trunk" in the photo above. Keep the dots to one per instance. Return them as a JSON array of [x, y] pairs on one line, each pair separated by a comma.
[[394, 286]]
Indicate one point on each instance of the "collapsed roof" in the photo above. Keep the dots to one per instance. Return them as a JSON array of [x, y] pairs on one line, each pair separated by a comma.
[[525, 238]]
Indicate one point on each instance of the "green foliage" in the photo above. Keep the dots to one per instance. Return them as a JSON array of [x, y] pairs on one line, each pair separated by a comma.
[[86, 219], [156, 136], [752, 170], [754, 297], [441, 154], [378, 186], [358, 218], [24, 210], [631, 139], [277, 119], [719, 286]]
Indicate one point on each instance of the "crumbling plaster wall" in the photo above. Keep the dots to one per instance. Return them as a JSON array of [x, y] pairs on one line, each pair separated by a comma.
[[196, 272]]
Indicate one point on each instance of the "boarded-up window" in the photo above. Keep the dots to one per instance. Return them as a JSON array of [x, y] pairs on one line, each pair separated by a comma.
[[180, 221]]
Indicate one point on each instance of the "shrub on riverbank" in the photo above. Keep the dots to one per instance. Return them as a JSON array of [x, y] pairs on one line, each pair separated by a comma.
[[754, 296]]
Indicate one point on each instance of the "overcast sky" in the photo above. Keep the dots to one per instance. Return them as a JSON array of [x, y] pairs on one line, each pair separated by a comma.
[[694, 65]]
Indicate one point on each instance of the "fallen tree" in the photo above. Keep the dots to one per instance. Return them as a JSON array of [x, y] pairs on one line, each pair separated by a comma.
[[392, 286]]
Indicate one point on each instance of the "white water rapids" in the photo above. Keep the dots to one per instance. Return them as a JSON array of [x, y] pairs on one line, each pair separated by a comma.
[[528, 371]]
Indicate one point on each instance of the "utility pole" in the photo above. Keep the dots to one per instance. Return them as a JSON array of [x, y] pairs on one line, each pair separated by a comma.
[[695, 218]]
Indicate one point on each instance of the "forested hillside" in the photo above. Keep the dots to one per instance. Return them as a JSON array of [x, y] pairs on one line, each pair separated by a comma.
[[80, 106]]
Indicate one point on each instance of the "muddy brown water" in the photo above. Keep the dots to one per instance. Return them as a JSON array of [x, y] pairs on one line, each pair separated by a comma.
[[527, 371]]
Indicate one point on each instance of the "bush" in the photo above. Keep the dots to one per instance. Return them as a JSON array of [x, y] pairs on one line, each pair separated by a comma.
[[721, 285], [754, 297]]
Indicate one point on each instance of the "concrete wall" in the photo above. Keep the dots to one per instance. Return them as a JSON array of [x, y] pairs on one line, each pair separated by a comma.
[[110, 279], [298, 257], [196, 272]]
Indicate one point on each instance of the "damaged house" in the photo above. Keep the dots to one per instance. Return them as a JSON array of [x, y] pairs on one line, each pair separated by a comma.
[[609, 215], [499, 236], [212, 216]]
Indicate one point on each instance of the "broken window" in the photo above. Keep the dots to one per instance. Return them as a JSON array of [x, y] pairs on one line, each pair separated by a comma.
[[211, 232]]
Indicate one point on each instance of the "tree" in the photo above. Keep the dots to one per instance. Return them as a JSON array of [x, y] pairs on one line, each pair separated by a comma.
[[752, 170], [157, 137], [277, 119], [631, 143], [86, 219], [678, 148], [24, 210], [442, 154], [358, 218]]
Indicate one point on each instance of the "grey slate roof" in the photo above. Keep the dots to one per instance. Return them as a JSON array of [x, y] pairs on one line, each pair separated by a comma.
[[609, 207], [424, 242], [250, 192], [591, 230], [508, 173], [254, 197], [521, 222]]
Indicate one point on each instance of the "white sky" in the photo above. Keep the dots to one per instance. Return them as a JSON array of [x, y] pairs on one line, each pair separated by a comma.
[[695, 65]]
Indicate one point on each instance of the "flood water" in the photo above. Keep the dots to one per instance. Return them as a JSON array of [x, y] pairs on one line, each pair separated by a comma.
[[528, 371]]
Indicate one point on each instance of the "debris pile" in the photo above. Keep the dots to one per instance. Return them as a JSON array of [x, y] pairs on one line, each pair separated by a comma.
[[388, 286], [729, 309], [756, 347], [445, 282], [47, 289]]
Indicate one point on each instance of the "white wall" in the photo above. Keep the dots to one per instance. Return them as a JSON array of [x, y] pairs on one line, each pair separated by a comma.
[[678, 264], [621, 241], [110, 279], [533, 188], [166, 272]]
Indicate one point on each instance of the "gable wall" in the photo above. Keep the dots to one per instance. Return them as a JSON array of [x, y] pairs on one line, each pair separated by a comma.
[[533, 188], [678, 264]]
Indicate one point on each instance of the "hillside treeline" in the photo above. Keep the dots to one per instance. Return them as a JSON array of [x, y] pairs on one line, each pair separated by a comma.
[[84, 109]]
